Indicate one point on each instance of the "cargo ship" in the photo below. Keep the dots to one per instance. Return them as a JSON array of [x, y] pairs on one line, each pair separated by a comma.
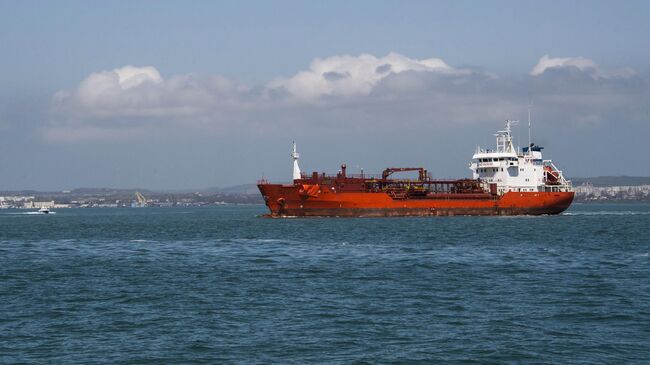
[[505, 181]]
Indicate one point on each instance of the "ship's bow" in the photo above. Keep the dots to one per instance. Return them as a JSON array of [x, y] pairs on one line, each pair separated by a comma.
[[272, 194]]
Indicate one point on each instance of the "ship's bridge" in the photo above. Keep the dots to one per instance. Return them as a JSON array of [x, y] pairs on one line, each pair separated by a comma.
[[492, 159]]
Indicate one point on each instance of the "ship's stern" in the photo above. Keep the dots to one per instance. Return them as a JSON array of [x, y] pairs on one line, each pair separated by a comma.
[[534, 203]]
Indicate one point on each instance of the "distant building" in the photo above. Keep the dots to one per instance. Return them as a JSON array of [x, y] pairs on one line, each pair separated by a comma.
[[39, 205], [589, 192]]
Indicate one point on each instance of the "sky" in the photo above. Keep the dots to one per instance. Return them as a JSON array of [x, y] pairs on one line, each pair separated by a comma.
[[190, 95]]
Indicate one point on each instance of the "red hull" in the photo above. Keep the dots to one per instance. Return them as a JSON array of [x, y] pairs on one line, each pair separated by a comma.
[[293, 200]]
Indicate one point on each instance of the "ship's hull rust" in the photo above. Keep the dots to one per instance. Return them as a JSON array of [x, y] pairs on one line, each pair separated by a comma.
[[288, 201]]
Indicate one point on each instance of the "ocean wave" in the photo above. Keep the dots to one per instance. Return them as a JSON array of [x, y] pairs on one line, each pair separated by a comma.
[[260, 240], [599, 213]]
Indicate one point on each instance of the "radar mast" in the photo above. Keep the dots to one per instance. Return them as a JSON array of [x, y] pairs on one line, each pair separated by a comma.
[[504, 137], [295, 156]]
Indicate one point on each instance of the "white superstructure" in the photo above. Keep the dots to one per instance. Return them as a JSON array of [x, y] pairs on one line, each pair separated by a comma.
[[295, 156], [514, 170]]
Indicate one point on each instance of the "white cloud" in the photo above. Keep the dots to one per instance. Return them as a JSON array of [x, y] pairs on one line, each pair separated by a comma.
[[546, 62], [583, 64], [129, 76], [354, 75], [377, 92], [100, 87], [142, 92]]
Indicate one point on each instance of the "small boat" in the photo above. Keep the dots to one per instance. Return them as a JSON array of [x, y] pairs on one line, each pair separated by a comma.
[[45, 210]]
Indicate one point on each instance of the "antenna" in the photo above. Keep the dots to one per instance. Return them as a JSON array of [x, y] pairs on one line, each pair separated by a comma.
[[530, 105]]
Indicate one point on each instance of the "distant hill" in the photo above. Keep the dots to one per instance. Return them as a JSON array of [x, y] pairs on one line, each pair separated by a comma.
[[107, 191], [244, 189], [612, 180]]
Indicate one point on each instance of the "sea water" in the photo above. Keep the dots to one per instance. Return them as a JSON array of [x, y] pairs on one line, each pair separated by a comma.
[[223, 285]]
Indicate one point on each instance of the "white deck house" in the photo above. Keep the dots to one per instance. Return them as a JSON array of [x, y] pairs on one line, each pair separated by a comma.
[[516, 170]]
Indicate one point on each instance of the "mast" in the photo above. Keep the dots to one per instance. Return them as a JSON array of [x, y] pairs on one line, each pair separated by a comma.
[[529, 127], [504, 137], [295, 156]]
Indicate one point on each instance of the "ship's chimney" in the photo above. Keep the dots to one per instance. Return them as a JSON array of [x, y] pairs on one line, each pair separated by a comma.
[[343, 170]]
